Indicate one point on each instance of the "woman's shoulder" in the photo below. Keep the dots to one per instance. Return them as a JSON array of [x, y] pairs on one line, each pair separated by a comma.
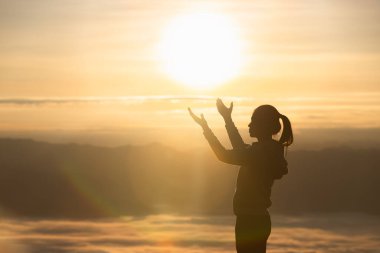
[[271, 142], [276, 143], [277, 146], [273, 145]]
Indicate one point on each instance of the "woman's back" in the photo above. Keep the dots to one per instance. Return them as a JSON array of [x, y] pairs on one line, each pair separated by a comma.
[[255, 178]]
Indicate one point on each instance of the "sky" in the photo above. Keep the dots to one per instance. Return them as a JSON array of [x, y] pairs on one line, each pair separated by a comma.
[[95, 68], [124, 72]]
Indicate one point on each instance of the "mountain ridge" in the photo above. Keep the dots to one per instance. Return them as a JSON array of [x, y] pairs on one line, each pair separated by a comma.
[[39, 179]]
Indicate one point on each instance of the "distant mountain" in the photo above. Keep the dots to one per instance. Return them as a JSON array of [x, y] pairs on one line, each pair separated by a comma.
[[80, 181]]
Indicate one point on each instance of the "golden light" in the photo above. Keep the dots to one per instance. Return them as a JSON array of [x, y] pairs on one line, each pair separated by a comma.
[[201, 50]]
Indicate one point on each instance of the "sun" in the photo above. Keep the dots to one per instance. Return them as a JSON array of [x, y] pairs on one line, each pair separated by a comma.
[[201, 50]]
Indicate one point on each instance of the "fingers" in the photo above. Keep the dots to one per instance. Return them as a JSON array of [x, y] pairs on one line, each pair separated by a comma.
[[195, 117], [219, 102], [199, 120], [191, 112]]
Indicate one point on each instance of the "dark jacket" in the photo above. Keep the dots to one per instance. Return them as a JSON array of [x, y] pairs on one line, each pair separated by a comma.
[[261, 163]]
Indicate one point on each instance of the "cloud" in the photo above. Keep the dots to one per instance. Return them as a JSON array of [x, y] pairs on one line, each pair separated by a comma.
[[124, 99], [327, 100], [164, 233], [87, 113]]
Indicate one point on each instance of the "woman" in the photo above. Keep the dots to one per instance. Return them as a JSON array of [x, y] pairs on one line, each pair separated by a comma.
[[261, 163]]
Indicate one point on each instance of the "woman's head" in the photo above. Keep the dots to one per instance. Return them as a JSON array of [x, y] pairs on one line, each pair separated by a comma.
[[265, 122]]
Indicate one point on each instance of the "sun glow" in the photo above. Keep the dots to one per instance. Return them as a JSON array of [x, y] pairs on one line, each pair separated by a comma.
[[201, 50]]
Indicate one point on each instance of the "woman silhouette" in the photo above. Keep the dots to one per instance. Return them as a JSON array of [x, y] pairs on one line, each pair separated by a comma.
[[261, 163]]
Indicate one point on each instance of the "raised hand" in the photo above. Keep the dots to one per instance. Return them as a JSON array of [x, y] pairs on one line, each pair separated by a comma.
[[199, 120], [224, 110]]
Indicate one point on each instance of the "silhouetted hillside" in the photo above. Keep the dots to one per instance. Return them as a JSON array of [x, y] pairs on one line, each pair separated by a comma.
[[77, 181], [335, 179]]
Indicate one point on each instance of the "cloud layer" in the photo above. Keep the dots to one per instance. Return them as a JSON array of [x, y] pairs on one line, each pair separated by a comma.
[[159, 234], [347, 110]]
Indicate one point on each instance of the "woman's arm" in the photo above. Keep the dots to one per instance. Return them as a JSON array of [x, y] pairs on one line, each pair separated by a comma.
[[233, 133], [236, 157]]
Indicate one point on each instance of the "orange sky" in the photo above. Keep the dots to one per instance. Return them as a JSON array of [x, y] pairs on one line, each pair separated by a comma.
[[92, 66]]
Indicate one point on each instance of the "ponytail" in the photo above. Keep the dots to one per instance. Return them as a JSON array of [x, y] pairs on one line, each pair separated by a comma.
[[287, 133]]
